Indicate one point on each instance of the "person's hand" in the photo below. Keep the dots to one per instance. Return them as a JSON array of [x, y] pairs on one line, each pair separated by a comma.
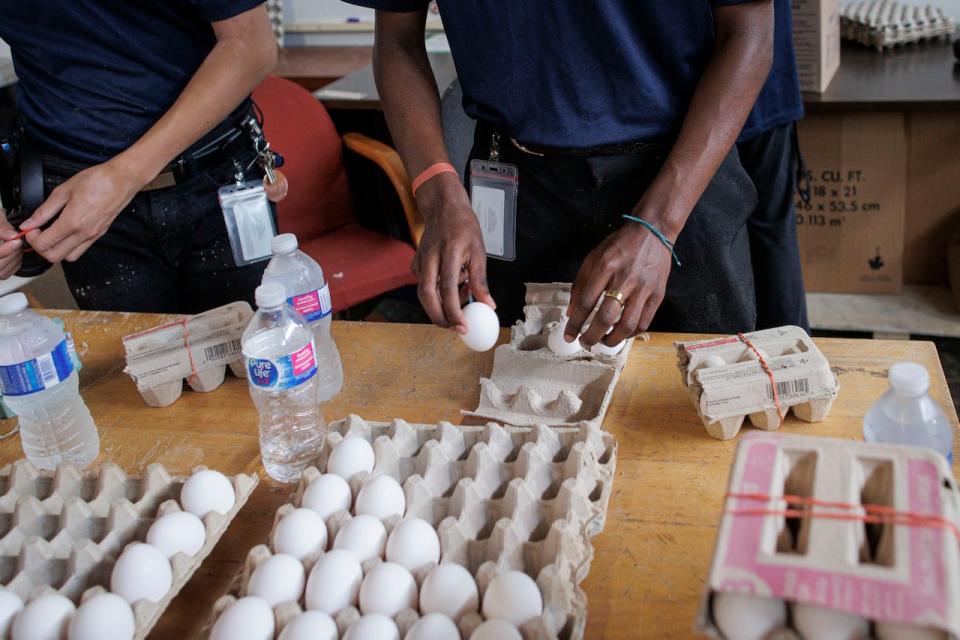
[[11, 248], [87, 203], [277, 191], [451, 253], [632, 261]]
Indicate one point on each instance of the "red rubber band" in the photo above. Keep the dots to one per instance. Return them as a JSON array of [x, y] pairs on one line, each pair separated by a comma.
[[766, 368], [430, 172], [186, 343]]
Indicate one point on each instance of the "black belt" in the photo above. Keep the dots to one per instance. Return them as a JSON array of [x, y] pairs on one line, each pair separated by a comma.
[[616, 149]]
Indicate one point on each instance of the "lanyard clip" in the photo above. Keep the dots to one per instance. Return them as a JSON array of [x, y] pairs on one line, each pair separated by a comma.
[[238, 172], [495, 146]]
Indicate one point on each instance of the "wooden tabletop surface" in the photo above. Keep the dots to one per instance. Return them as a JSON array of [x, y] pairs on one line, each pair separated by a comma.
[[653, 556]]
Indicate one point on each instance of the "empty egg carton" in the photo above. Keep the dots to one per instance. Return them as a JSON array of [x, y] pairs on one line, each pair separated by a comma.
[[197, 349], [62, 531], [884, 24], [727, 383]]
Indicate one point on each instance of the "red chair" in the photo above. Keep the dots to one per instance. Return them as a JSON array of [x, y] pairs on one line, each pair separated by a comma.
[[359, 264]]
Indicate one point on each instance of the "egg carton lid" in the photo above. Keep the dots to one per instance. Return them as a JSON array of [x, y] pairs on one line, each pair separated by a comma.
[[914, 563], [64, 529]]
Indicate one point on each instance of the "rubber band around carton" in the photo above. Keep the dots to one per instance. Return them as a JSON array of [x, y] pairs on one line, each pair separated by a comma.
[[766, 368], [186, 343]]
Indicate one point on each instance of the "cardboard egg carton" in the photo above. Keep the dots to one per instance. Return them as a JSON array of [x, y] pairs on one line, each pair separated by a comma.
[[197, 349], [727, 394], [904, 572], [62, 531], [885, 24], [532, 385]]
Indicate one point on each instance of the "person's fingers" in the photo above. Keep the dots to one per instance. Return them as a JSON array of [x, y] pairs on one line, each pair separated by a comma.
[[477, 271], [57, 200], [450, 267], [606, 316], [277, 191], [74, 255], [10, 265], [427, 269], [587, 288], [10, 248], [649, 310], [626, 327]]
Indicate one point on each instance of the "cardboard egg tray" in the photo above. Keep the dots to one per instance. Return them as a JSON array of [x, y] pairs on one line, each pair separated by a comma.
[[885, 24], [62, 531], [500, 498], [197, 349], [532, 385], [903, 572], [725, 395]]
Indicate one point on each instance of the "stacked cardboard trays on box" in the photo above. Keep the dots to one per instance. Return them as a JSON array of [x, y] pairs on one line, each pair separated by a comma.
[[728, 384], [197, 348], [531, 385], [885, 24], [501, 498], [62, 531], [897, 572]]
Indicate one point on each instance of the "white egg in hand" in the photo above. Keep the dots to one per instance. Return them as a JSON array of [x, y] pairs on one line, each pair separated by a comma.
[[328, 494], [142, 572], [748, 617], [364, 536], [373, 626], [44, 618], [496, 630], [105, 616], [310, 625], [483, 327], [433, 626], [248, 618], [512, 596], [300, 533], [351, 456], [277, 579], [414, 544], [381, 497], [559, 345], [10, 606], [177, 532], [207, 490], [451, 590], [334, 582], [825, 624], [388, 589]]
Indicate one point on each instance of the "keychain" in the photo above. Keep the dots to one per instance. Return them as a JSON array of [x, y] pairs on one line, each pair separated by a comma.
[[248, 217], [493, 195]]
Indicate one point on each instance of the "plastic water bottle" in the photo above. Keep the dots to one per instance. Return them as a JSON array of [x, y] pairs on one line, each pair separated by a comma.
[[309, 294], [906, 414], [40, 384], [282, 374]]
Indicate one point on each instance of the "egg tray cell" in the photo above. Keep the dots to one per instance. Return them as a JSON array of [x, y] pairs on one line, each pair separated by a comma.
[[62, 531], [884, 24]]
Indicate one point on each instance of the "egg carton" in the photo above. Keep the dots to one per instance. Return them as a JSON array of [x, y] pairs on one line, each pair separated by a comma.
[[887, 573], [62, 531], [726, 394], [531, 385], [197, 349], [884, 24]]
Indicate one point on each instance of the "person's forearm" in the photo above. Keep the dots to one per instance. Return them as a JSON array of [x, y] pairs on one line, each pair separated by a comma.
[[720, 105]]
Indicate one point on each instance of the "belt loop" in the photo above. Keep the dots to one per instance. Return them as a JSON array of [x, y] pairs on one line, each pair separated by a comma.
[[495, 146]]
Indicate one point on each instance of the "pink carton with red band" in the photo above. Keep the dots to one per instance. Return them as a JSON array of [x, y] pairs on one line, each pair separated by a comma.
[[862, 533]]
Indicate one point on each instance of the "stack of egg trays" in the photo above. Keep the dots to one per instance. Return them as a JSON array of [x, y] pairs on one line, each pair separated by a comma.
[[501, 498], [884, 24], [62, 531], [532, 385]]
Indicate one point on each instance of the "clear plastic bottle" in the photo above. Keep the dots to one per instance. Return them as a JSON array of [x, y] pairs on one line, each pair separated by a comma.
[[906, 414], [40, 384], [309, 294], [282, 375]]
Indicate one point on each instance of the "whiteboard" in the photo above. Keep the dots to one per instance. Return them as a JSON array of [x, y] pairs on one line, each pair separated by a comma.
[[313, 11]]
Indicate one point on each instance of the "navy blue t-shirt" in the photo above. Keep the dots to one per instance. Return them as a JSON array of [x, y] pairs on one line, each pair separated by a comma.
[[577, 73], [94, 75]]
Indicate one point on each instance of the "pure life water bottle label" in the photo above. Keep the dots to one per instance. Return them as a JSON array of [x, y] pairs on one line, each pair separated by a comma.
[[38, 374], [284, 372], [313, 305]]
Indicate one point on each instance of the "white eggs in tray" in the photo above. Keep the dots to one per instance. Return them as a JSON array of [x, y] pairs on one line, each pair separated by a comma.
[[44, 618], [248, 618], [300, 533], [451, 590], [373, 626], [310, 625], [279, 578], [433, 626], [334, 582], [748, 617], [388, 589], [105, 616], [558, 344], [207, 490], [414, 544], [328, 494], [351, 456], [823, 624], [177, 532], [10, 606], [512, 596], [364, 536], [381, 497], [602, 349], [483, 327], [496, 629], [142, 572]]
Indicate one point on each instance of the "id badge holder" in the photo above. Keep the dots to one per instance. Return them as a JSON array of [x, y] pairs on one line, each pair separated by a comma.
[[250, 227], [493, 195]]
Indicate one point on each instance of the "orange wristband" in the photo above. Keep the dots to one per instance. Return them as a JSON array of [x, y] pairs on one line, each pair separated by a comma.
[[430, 172]]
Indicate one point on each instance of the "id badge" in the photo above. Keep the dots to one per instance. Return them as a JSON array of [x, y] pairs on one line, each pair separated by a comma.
[[249, 221], [493, 194]]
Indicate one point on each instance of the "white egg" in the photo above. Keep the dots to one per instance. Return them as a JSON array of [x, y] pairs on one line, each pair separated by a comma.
[[747, 617], [311, 625], [105, 616], [373, 626], [711, 361], [604, 350], [142, 572], [248, 618], [414, 544], [824, 624], [388, 589], [433, 626], [351, 456], [327, 495], [207, 491], [44, 618], [364, 536], [177, 532], [277, 579], [512, 596], [381, 497], [300, 533], [496, 630], [10, 606], [334, 582], [451, 590], [749, 354], [891, 631], [558, 344], [483, 327]]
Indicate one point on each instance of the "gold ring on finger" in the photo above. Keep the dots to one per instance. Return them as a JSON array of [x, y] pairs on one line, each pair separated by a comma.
[[616, 295]]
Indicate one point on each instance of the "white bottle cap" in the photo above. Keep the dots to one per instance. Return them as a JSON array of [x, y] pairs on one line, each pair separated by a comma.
[[909, 379], [270, 295], [283, 243], [13, 303]]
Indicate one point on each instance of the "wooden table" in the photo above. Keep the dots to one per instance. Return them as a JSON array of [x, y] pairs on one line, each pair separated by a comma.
[[653, 557]]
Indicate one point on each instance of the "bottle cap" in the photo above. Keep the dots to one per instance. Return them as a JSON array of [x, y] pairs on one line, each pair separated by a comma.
[[283, 243], [13, 303], [270, 294], [909, 379]]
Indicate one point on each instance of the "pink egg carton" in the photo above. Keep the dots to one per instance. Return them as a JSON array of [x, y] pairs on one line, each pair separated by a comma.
[[727, 383], [62, 531], [197, 349], [905, 572]]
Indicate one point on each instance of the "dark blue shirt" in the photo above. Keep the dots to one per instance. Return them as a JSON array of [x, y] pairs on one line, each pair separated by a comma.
[[94, 75], [577, 73]]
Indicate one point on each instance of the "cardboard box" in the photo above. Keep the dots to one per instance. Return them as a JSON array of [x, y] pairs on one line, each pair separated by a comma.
[[851, 232], [816, 40]]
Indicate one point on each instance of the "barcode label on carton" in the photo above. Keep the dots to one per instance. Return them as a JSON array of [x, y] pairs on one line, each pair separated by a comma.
[[790, 389], [224, 350]]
